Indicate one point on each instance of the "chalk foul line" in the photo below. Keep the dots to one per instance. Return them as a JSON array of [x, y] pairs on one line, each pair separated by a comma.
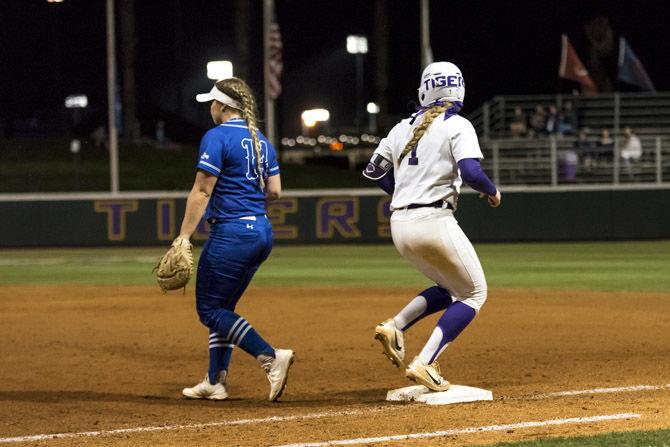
[[460, 431], [43, 437], [622, 389]]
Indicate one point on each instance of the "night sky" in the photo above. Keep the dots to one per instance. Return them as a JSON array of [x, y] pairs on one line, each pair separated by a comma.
[[503, 47]]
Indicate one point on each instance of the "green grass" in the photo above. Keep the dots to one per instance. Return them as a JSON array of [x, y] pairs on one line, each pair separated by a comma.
[[634, 266], [657, 438]]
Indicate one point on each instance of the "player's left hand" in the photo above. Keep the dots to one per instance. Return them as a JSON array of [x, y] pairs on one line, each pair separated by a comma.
[[494, 201], [175, 267]]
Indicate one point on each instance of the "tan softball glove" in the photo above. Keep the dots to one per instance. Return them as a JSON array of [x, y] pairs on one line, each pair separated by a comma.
[[175, 267]]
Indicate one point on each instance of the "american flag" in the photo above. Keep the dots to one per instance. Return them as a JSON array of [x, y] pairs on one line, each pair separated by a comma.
[[276, 64]]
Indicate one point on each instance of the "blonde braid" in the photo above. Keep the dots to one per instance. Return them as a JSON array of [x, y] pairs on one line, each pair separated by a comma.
[[419, 130], [239, 90]]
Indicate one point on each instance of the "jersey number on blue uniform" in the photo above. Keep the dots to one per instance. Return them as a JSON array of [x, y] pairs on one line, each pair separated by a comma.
[[252, 172]]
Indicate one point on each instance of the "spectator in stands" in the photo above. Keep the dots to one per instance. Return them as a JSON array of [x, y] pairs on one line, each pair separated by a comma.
[[519, 125], [568, 119], [585, 150], [552, 121], [605, 145], [568, 163], [631, 150], [537, 121]]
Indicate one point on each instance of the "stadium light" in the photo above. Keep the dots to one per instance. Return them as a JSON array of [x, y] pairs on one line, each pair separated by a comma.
[[357, 44], [219, 70], [76, 102], [54, 1], [373, 110], [311, 117]]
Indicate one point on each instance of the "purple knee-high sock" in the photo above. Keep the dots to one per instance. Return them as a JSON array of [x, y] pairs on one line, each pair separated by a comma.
[[449, 326], [431, 300]]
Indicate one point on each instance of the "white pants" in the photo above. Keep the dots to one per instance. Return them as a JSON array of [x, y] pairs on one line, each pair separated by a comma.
[[432, 240]]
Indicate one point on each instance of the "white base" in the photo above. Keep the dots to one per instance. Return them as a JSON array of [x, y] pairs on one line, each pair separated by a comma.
[[455, 394]]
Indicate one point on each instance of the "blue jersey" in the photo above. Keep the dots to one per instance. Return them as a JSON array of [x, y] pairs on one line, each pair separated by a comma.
[[227, 152]]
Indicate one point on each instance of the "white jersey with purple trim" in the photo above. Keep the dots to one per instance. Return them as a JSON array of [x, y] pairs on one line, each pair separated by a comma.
[[430, 172]]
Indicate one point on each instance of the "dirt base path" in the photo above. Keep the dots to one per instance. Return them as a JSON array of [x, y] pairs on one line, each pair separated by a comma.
[[93, 359]]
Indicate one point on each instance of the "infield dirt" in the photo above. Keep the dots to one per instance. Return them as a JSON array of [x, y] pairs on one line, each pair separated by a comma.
[[78, 359]]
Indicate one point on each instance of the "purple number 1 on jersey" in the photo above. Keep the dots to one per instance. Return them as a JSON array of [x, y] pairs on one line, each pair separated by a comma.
[[413, 159]]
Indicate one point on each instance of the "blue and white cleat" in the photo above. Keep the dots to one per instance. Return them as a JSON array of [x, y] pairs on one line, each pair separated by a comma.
[[392, 340]]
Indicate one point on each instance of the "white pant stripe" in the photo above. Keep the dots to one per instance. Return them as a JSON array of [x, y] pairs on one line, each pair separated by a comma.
[[221, 345]]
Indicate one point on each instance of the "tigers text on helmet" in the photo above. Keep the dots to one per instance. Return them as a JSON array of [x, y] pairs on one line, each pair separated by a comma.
[[441, 81]]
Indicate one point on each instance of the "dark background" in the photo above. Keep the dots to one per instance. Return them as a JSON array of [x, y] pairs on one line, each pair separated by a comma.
[[48, 51]]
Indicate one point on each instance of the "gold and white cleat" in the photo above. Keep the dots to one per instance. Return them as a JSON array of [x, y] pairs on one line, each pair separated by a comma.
[[429, 376], [205, 390], [392, 341]]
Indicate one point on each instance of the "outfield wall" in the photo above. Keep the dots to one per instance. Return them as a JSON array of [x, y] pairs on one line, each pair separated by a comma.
[[337, 216]]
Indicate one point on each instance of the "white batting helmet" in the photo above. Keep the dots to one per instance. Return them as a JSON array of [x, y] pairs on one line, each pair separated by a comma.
[[441, 80]]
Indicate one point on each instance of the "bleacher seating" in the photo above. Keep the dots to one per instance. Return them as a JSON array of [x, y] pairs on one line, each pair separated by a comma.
[[544, 160], [646, 113]]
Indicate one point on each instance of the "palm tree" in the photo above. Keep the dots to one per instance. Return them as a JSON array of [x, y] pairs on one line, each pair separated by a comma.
[[601, 40]]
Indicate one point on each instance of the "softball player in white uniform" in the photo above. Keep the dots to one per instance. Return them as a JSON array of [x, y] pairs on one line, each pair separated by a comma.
[[423, 162]]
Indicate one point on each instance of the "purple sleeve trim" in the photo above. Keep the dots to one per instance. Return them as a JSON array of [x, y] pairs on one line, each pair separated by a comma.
[[387, 183], [473, 175]]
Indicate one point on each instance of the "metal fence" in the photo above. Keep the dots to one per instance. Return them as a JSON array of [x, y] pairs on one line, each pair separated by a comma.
[[556, 161]]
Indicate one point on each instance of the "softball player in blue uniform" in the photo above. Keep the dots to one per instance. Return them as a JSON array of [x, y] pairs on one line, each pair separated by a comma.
[[236, 173]]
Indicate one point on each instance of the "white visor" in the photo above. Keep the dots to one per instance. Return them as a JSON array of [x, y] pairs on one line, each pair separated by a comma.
[[217, 94]]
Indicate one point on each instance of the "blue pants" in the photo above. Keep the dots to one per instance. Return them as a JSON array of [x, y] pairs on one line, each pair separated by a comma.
[[230, 258]]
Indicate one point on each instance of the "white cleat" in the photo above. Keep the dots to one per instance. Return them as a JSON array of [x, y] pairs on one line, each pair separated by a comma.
[[392, 340], [429, 376], [205, 390], [277, 372]]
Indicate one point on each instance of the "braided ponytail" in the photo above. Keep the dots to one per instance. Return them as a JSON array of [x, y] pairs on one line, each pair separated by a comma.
[[240, 91], [428, 117]]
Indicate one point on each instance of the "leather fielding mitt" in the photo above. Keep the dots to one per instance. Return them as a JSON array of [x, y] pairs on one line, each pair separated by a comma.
[[175, 267]]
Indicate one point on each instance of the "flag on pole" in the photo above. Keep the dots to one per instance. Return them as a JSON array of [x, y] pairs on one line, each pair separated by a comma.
[[631, 70], [572, 68], [275, 61]]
